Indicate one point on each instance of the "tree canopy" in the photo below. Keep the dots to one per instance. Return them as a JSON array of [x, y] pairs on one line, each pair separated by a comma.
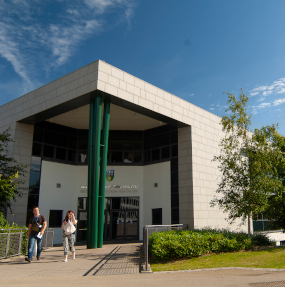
[[251, 164], [10, 173]]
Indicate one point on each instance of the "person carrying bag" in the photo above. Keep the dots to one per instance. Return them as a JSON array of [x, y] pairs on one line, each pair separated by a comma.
[[68, 236]]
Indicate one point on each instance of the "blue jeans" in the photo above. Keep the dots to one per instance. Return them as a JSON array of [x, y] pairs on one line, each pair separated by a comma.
[[32, 241]]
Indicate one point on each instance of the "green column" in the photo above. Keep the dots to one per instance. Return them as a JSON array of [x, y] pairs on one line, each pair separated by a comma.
[[93, 171], [103, 165]]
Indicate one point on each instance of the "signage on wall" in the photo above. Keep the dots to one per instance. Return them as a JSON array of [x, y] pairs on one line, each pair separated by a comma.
[[110, 174]]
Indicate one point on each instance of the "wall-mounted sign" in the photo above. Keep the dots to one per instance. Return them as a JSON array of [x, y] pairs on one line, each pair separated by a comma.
[[110, 174]]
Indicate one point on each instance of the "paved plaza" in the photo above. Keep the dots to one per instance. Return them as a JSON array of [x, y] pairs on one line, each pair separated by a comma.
[[118, 265]]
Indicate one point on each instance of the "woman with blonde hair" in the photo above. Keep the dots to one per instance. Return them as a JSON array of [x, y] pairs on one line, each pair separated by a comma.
[[68, 236]]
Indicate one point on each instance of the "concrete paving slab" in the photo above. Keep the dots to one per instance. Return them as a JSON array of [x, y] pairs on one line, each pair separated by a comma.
[[52, 271]]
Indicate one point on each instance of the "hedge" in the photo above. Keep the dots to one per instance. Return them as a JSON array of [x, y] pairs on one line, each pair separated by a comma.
[[175, 244]]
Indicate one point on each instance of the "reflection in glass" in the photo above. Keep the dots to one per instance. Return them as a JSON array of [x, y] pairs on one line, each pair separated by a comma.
[[36, 163], [35, 178]]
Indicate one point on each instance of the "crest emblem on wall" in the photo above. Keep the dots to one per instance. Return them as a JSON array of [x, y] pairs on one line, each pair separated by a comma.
[[110, 174]]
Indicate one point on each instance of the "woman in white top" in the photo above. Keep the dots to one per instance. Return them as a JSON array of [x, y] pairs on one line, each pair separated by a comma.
[[68, 238]]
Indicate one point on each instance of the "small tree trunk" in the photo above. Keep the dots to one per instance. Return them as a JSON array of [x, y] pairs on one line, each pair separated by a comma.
[[248, 225]]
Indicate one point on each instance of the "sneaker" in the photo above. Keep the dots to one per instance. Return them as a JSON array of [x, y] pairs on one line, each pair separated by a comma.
[[73, 257], [28, 259], [38, 258], [65, 260]]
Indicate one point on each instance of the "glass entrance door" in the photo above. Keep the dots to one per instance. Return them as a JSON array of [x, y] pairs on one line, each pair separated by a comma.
[[124, 224]]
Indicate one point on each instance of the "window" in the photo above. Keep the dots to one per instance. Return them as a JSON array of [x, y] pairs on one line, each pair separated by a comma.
[[55, 218], [157, 216]]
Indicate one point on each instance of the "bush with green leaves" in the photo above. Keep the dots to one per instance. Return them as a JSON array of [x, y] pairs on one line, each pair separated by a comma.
[[13, 228], [175, 244]]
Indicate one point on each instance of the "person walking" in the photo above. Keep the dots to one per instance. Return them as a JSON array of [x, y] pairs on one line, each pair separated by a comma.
[[37, 226], [68, 236]]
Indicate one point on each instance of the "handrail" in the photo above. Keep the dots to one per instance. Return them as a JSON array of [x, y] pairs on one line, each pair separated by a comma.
[[155, 228]]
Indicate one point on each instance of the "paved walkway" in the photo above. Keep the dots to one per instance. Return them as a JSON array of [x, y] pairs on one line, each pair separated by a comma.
[[121, 261]]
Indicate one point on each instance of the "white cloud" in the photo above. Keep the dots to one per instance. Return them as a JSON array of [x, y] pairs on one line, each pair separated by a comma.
[[277, 87], [278, 102], [47, 33], [211, 109]]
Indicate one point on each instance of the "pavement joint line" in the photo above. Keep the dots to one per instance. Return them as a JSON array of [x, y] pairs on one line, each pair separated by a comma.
[[222, 268], [100, 261]]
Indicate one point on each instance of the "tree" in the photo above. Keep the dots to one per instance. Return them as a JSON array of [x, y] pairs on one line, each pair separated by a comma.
[[10, 173], [247, 162], [276, 200]]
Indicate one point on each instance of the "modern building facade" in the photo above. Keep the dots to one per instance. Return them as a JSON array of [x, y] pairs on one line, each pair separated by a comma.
[[160, 151]]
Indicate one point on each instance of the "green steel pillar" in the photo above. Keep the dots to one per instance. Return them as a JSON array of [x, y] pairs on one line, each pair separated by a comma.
[[93, 171], [103, 165]]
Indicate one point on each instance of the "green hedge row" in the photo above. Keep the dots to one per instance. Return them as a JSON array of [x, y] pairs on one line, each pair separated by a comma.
[[170, 245]]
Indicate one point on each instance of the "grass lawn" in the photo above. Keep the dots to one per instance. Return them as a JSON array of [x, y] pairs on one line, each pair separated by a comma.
[[270, 258]]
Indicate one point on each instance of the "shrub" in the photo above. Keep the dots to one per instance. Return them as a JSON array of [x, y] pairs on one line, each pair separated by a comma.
[[170, 245], [4, 224]]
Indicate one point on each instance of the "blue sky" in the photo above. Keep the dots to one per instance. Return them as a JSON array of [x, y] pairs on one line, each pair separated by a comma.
[[194, 49]]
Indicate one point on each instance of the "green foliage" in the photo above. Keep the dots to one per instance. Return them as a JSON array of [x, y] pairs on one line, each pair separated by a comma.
[[4, 224], [261, 240], [11, 173], [252, 165], [171, 245]]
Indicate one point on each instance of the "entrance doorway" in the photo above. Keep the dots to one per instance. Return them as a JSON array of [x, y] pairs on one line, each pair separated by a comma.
[[124, 224], [121, 218]]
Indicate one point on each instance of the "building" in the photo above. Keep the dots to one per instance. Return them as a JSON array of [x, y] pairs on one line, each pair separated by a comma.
[[159, 169]]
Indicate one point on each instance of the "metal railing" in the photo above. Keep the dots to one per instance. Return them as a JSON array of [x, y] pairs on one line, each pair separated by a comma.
[[147, 231], [11, 241], [48, 238]]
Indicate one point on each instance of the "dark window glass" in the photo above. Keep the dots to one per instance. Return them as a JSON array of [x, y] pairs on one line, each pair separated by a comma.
[[60, 153], [72, 142], [128, 157], [147, 156], [128, 144], [72, 132], [174, 215], [174, 137], [35, 178], [157, 216], [56, 128], [37, 149], [147, 143], [71, 155], [116, 134], [82, 156], [55, 138], [174, 164], [128, 134], [116, 156], [165, 139], [156, 141], [55, 218], [137, 156], [174, 150], [33, 191], [83, 133], [48, 151], [117, 145], [33, 200], [138, 144], [155, 154], [138, 134], [174, 178], [174, 189], [83, 143], [165, 153], [38, 134], [29, 215], [175, 200]]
